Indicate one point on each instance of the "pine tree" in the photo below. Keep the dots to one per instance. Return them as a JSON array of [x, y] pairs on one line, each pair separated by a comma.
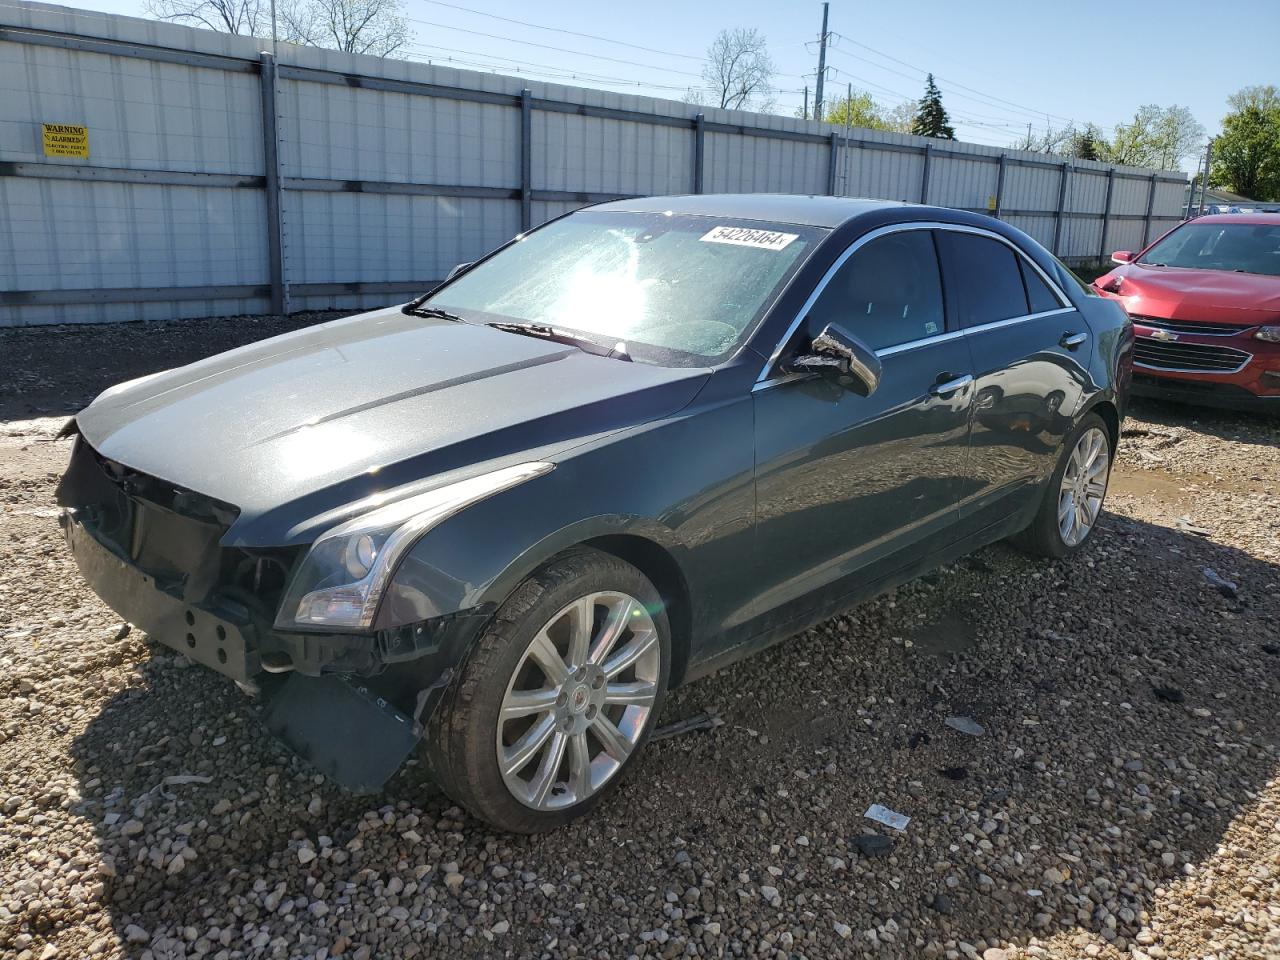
[[931, 116], [1086, 144]]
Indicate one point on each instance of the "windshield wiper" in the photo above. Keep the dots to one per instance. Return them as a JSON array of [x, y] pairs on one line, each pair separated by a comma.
[[543, 332], [433, 313]]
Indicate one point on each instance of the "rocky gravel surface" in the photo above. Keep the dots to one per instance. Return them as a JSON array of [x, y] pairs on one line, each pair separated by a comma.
[[1087, 752]]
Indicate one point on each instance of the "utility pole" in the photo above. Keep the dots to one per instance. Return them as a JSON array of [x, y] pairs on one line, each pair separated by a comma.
[[806, 101], [822, 65], [1204, 184], [273, 27]]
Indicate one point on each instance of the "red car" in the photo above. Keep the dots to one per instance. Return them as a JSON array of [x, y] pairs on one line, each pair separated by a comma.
[[1205, 305]]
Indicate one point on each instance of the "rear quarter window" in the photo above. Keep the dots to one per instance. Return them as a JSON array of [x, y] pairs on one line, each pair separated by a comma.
[[1039, 297]]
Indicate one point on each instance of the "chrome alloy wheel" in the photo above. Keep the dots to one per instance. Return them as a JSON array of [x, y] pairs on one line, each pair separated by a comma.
[[1084, 484], [578, 701]]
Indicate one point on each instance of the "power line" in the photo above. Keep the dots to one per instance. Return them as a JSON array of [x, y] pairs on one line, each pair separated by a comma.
[[545, 46], [952, 83], [966, 119], [516, 65], [571, 33]]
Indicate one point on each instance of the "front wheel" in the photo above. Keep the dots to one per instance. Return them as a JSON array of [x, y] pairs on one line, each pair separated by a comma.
[[558, 697], [1075, 493]]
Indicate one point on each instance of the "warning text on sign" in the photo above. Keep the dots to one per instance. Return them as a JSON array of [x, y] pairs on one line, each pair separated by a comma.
[[65, 140]]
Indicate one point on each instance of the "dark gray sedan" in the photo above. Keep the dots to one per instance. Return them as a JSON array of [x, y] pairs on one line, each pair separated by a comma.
[[625, 449]]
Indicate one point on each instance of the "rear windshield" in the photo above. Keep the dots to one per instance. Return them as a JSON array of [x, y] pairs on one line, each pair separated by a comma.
[[677, 290], [1239, 247]]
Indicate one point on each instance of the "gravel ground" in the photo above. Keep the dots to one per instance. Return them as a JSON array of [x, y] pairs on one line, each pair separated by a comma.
[[1122, 796]]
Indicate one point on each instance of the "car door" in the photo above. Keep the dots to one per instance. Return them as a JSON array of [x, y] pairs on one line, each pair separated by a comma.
[[853, 486], [1030, 349]]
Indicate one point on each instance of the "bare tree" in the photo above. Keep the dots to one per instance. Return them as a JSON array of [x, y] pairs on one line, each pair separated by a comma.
[[374, 27], [357, 26], [247, 17], [738, 74]]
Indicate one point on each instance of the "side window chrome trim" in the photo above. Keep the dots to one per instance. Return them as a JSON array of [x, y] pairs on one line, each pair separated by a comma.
[[997, 324], [866, 238], [922, 342]]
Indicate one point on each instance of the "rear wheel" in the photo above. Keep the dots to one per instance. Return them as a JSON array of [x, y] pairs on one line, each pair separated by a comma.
[[1075, 493], [558, 697]]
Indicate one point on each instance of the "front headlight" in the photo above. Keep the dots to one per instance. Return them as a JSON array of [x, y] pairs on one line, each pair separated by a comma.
[[1269, 334], [342, 578]]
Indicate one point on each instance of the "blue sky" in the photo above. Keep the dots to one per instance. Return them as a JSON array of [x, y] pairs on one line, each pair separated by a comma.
[[1001, 64]]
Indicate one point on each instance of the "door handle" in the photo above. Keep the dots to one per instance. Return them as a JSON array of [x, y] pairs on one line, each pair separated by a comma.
[[944, 387], [1072, 340]]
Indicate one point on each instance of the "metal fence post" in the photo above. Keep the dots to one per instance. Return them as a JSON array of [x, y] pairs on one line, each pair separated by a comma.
[[271, 163], [1062, 208], [924, 174], [526, 160], [832, 158], [1151, 205], [1004, 163], [699, 145], [1106, 213], [1204, 182]]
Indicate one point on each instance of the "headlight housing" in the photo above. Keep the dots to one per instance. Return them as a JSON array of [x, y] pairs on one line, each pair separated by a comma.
[[1269, 334], [342, 578]]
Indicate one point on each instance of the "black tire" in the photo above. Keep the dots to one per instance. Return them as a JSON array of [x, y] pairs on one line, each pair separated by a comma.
[[462, 735], [1043, 537]]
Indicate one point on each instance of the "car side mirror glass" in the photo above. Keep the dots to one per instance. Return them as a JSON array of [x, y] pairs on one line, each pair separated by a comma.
[[836, 350], [458, 269], [1122, 256]]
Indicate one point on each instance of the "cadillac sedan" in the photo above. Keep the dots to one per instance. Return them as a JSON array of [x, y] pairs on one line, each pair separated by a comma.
[[623, 450]]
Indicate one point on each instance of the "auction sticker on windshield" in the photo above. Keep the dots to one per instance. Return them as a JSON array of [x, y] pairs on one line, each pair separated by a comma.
[[747, 237]]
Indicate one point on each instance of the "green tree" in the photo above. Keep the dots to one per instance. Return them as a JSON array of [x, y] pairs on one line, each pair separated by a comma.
[[931, 117], [1159, 137], [1246, 156], [858, 110]]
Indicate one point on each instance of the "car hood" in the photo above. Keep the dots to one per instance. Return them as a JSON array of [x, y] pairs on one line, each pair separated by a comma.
[[1180, 293], [297, 426]]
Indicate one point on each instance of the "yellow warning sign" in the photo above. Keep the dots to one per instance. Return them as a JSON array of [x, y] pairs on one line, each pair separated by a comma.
[[65, 140]]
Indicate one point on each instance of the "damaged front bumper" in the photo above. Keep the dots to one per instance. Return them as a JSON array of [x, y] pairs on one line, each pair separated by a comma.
[[353, 705]]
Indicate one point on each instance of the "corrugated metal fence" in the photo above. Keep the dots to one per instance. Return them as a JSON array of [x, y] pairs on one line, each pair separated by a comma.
[[223, 180]]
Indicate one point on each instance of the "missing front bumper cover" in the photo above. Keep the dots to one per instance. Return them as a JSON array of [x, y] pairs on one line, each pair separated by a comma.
[[355, 706]]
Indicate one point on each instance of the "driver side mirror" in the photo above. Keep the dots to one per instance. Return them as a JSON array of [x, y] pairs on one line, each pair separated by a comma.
[[1122, 256], [836, 350], [457, 270]]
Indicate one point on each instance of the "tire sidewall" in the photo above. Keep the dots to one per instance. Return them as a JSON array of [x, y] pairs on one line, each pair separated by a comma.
[[471, 742]]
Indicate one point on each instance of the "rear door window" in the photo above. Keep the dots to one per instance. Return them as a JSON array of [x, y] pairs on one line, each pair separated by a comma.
[[983, 277], [887, 293]]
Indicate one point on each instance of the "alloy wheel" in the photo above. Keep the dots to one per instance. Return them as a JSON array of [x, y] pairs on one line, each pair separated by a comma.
[[579, 700], [1084, 485]]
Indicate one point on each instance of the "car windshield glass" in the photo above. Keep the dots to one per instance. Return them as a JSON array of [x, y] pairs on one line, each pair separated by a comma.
[[1242, 247], [677, 290]]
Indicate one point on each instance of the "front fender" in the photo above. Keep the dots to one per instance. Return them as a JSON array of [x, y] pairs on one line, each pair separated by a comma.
[[474, 560]]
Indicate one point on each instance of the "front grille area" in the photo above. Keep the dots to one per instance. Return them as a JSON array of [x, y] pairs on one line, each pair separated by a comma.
[[172, 534], [1203, 328], [1197, 357]]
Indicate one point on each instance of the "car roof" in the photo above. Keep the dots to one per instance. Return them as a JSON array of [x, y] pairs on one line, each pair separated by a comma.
[[1271, 219], [809, 211]]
